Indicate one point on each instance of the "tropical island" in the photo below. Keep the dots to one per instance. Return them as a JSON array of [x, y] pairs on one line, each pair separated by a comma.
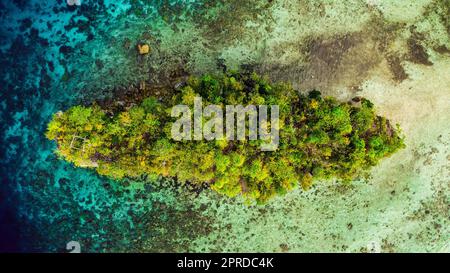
[[320, 138]]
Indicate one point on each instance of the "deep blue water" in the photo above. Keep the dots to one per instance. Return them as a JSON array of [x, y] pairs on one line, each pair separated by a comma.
[[46, 202]]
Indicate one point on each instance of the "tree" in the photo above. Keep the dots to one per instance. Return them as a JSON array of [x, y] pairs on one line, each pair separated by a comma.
[[320, 138]]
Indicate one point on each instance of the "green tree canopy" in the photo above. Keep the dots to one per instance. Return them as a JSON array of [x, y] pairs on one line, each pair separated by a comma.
[[320, 138]]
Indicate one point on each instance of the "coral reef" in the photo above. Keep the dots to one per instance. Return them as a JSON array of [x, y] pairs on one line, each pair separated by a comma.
[[54, 56]]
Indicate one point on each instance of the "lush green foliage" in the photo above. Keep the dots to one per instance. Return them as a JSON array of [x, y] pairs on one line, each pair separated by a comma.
[[320, 138]]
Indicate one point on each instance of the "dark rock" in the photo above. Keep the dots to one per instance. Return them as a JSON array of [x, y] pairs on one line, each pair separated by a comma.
[[99, 63], [66, 49], [418, 53], [25, 24], [398, 72]]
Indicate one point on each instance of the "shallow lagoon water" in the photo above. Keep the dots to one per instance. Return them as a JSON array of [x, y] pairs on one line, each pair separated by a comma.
[[53, 56]]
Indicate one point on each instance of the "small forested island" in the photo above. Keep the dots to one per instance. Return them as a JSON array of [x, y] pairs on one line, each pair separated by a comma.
[[319, 139]]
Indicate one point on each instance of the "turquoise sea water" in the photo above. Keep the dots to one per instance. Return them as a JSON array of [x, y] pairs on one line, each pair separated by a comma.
[[54, 56], [45, 202]]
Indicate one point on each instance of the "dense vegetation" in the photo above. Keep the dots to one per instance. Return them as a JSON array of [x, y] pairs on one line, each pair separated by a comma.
[[320, 138]]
